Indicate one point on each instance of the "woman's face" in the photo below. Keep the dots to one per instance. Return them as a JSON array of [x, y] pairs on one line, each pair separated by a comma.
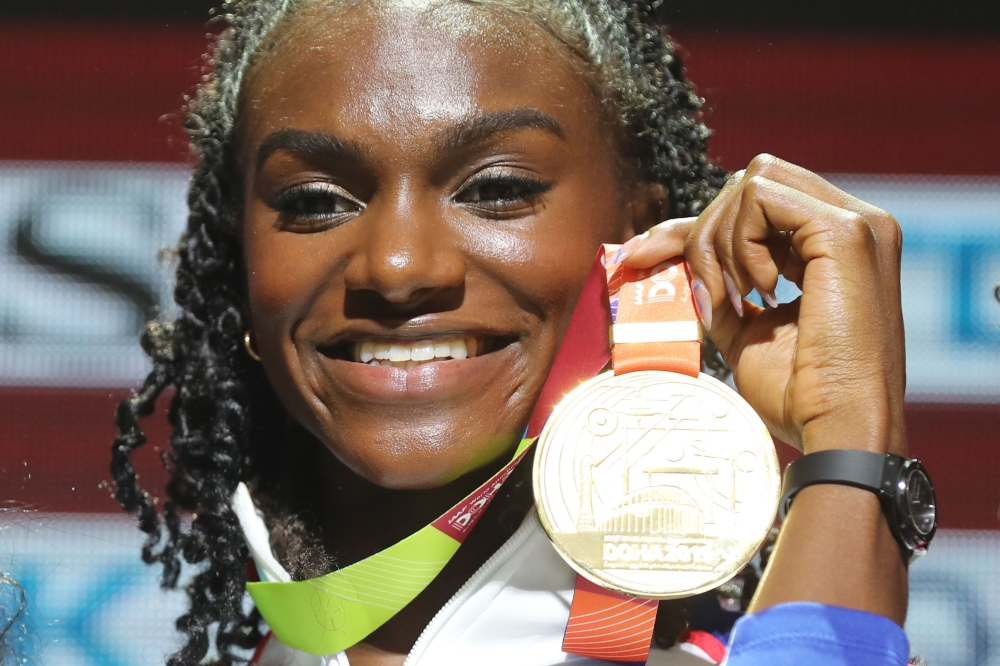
[[431, 185]]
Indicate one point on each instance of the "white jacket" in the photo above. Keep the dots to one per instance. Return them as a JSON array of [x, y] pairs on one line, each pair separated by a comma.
[[513, 611]]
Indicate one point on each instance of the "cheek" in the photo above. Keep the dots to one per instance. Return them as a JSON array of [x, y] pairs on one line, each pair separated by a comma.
[[546, 258], [284, 273], [288, 276]]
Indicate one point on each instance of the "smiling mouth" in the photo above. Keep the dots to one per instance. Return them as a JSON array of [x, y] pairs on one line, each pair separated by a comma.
[[410, 354]]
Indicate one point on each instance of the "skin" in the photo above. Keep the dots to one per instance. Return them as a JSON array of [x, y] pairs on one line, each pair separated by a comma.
[[413, 253], [412, 259], [824, 372]]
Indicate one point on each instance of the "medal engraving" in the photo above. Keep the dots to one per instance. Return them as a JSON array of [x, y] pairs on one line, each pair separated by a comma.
[[656, 484]]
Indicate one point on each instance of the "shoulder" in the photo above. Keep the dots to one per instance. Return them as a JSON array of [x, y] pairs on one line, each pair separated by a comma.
[[272, 652], [698, 648], [812, 633], [513, 611]]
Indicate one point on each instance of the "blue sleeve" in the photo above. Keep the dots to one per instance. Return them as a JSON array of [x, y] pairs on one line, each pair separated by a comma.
[[809, 633]]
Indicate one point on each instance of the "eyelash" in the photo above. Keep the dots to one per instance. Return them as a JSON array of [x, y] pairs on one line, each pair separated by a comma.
[[313, 206], [512, 193]]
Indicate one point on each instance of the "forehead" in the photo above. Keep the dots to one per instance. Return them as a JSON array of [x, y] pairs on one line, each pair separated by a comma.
[[400, 67]]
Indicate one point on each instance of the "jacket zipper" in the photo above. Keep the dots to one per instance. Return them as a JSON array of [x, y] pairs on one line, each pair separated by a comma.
[[469, 588]]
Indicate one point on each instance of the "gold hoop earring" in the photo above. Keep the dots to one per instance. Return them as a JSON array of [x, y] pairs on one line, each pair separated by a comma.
[[248, 344]]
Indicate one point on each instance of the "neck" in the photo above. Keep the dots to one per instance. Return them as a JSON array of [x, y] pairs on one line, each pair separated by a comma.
[[357, 518]]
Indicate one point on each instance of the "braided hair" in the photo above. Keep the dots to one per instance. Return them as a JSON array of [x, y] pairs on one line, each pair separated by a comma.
[[222, 410]]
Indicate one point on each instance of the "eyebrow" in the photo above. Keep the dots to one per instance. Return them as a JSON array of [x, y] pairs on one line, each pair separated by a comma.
[[482, 127], [307, 142], [464, 133]]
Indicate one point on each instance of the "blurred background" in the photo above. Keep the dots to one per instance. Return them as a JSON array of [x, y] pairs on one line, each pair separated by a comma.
[[897, 102]]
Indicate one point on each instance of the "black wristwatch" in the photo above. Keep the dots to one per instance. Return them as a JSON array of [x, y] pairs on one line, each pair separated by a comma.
[[902, 485]]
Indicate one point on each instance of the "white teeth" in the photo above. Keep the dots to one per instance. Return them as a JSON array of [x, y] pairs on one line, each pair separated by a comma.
[[367, 351], [407, 356], [422, 352]]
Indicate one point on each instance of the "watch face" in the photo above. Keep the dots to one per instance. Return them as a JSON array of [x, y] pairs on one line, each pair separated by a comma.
[[920, 501]]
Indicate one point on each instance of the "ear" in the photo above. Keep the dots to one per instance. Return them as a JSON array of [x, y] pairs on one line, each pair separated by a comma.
[[648, 206]]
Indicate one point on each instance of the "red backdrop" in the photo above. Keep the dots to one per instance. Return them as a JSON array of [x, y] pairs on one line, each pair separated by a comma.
[[833, 103]]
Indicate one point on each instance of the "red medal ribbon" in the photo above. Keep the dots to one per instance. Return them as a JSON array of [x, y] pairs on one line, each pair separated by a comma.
[[604, 624]]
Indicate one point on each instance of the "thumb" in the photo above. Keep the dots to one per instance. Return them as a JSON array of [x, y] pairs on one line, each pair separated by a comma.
[[662, 242], [759, 348]]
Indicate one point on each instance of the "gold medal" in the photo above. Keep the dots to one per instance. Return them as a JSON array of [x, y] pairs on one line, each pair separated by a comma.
[[654, 480], [656, 484]]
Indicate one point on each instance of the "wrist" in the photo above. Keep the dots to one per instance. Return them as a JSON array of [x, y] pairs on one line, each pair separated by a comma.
[[855, 511], [836, 548], [864, 429], [902, 487]]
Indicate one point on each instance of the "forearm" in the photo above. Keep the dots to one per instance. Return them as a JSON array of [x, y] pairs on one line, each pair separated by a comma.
[[826, 371], [835, 548]]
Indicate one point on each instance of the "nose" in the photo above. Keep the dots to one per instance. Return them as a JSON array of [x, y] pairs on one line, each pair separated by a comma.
[[407, 253]]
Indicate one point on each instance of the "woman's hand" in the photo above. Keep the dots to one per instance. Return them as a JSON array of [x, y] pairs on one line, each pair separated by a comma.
[[826, 371]]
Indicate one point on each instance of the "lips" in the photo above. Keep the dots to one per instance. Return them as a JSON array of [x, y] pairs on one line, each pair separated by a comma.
[[416, 369], [408, 354]]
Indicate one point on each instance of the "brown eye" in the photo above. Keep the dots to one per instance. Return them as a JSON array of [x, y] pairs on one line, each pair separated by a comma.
[[502, 192], [314, 206]]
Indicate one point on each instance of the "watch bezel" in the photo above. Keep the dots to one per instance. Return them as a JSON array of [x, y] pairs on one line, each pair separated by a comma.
[[906, 528]]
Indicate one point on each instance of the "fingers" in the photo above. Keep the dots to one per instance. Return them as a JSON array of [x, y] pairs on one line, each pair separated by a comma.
[[793, 268], [755, 259], [842, 341], [714, 274], [662, 242], [734, 247], [814, 228], [807, 182], [735, 278], [768, 221], [747, 263]]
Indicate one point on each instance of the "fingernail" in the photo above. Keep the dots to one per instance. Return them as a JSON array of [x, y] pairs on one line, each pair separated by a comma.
[[630, 246], [769, 298], [734, 294], [702, 303]]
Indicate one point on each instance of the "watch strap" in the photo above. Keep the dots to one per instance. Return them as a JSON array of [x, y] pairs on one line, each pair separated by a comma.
[[849, 467]]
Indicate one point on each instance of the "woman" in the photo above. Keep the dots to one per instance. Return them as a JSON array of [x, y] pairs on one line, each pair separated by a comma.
[[441, 174], [13, 606]]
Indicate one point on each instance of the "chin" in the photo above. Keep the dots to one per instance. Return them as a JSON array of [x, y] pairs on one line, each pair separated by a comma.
[[417, 456]]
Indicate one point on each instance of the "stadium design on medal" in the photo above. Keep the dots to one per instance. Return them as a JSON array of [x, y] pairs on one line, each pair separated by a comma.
[[656, 484]]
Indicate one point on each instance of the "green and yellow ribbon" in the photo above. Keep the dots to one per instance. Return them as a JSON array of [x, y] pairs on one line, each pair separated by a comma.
[[329, 614]]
